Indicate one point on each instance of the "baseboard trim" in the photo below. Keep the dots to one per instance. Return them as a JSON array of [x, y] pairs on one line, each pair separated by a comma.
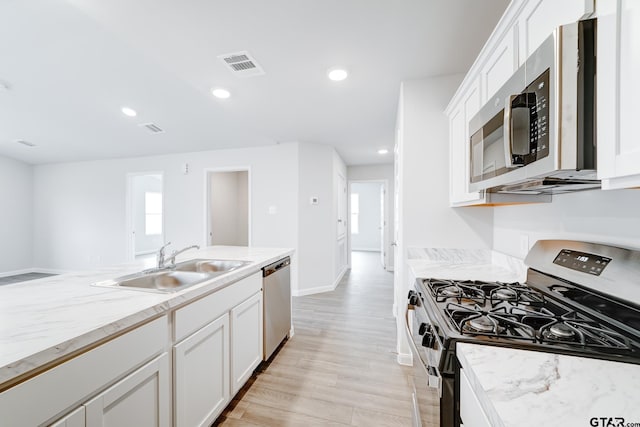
[[366, 249], [320, 289], [405, 359], [390, 269]]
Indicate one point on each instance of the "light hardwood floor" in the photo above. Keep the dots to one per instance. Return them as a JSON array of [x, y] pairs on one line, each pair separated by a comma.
[[340, 367]]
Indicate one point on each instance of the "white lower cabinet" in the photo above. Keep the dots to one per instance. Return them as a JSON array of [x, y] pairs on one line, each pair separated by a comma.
[[246, 340], [142, 399], [202, 374], [471, 413], [74, 419], [218, 345]]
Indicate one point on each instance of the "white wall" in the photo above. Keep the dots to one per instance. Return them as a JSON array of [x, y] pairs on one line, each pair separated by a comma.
[[80, 207], [611, 217], [317, 238], [369, 236], [228, 203], [424, 213], [379, 172], [140, 185], [16, 194]]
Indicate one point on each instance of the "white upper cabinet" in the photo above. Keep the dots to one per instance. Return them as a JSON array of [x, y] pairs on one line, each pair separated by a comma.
[[501, 64], [459, 194], [618, 93], [539, 18]]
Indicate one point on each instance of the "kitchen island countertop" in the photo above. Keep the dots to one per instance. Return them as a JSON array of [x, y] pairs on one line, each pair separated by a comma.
[[45, 320]]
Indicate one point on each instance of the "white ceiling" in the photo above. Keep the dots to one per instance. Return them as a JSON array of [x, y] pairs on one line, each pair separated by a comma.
[[71, 65]]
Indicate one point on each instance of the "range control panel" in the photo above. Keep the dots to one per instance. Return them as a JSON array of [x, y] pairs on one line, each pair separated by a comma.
[[582, 261]]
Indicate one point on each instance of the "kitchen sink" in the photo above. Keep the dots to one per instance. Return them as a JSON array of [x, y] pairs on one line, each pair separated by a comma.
[[183, 275], [162, 281], [211, 266]]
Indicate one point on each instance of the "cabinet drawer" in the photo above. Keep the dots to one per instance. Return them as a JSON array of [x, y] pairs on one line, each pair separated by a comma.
[[194, 316], [69, 383], [471, 413]]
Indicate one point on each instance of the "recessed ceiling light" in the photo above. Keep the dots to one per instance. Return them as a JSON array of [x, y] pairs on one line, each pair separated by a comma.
[[221, 93], [129, 112], [383, 151], [337, 74]]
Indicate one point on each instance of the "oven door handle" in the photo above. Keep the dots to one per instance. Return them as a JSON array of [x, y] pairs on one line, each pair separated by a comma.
[[431, 373]]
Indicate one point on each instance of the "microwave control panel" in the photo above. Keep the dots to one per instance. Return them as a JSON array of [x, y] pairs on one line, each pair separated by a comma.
[[582, 261], [538, 97]]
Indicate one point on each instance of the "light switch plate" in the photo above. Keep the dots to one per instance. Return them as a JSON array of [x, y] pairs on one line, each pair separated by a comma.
[[273, 210]]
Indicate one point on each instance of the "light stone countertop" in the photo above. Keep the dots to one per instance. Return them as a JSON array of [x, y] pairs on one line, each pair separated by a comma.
[[465, 264], [47, 319], [519, 388]]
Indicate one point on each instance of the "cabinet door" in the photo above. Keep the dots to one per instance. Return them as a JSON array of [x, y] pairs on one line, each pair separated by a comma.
[[141, 399], [246, 340], [202, 374], [471, 413], [74, 419], [618, 93], [459, 194], [540, 17], [501, 64]]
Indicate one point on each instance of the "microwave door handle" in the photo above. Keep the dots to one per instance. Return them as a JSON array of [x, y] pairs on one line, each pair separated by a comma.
[[508, 156]]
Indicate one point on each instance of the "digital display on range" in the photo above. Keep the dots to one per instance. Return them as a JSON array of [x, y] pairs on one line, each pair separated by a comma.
[[582, 261]]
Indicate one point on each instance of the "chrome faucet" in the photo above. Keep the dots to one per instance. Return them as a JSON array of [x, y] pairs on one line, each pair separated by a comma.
[[160, 256], [174, 254]]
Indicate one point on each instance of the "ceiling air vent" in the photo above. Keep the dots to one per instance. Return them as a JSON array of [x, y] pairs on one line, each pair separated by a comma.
[[152, 127], [241, 64], [27, 143]]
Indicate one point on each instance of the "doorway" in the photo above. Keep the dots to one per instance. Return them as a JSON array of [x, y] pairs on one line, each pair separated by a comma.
[[228, 200], [145, 214], [368, 219]]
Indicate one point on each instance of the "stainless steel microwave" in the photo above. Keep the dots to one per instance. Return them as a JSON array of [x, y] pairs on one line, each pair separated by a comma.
[[537, 133]]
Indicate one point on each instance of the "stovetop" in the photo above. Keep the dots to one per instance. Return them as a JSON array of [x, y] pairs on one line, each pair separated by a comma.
[[579, 298], [515, 311]]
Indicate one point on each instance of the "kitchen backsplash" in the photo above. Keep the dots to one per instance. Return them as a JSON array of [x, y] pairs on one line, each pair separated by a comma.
[[611, 217]]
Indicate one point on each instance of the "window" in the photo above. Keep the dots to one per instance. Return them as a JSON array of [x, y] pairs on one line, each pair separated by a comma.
[[152, 213], [355, 211]]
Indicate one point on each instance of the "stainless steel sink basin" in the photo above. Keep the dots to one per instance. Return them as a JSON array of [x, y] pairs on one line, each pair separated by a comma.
[[162, 281], [211, 266]]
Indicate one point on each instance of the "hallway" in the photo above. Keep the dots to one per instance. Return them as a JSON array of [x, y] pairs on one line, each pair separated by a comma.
[[340, 367]]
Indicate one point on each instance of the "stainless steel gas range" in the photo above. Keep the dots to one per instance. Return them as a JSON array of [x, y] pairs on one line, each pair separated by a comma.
[[578, 299]]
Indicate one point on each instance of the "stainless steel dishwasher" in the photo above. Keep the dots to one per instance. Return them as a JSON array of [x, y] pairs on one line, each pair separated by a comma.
[[277, 304]]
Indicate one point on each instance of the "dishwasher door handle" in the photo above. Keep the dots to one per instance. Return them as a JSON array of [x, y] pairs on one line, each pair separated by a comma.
[[278, 265]]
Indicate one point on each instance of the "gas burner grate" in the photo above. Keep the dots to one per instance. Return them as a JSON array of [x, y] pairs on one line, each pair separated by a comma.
[[497, 322]]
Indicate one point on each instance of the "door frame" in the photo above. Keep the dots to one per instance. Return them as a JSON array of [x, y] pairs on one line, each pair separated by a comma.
[[130, 239], [386, 243], [207, 193]]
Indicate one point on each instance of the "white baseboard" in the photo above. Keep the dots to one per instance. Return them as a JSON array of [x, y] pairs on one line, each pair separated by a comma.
[[365, 249], [390, 268], [320, 289], [405, 359]]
